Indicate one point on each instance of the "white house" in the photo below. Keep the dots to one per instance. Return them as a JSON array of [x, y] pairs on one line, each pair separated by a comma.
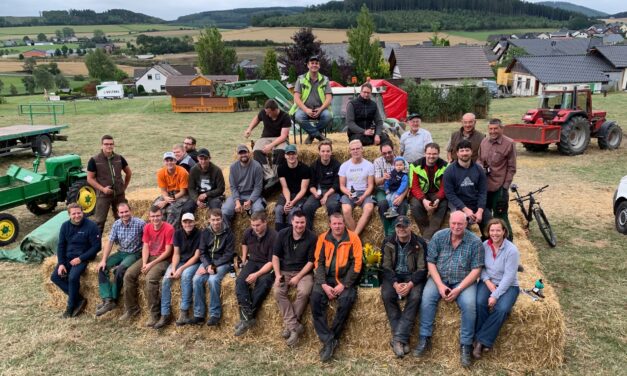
[[153, 78]]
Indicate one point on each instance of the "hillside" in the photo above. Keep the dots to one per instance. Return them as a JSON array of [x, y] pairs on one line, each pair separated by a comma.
[[588, 12], [234, 18], [82, 17], [620, 15]]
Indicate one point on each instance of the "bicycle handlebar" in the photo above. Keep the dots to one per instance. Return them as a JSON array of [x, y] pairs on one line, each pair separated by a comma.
[[526, 197]]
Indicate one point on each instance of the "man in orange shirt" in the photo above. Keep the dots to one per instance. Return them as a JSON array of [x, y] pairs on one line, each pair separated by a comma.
[[172, 181]]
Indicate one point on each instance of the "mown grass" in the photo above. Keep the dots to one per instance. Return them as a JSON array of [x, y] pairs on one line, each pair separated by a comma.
[[588, 268]]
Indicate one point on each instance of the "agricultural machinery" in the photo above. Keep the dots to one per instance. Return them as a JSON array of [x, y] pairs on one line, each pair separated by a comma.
[[565, 117], [64, 180]]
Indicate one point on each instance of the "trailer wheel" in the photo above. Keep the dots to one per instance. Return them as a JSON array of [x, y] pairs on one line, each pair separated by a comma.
[[575, 136], [39, 207], [9, 229], [43, 145], [84, 195], [535, 148], [610, 136]]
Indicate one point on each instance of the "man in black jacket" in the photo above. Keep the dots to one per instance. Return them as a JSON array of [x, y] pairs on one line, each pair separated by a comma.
[[404, 276], [324, 185], [79, 242], [364, 120], [205, 185], [217, 248]]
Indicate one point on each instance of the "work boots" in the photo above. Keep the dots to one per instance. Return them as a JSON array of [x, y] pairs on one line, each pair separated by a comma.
[[163, 321], [424, 345], [466, 358], [106, 306], [183, 318], [152, 320]]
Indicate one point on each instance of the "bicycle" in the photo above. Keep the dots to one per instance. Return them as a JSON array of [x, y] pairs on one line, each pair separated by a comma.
[[535, 210]]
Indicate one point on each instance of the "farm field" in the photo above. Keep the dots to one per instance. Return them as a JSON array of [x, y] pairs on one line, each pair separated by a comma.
[[81, 30], [587, 268], [66, 67], [482, 35], [16, 80], [19, 49]]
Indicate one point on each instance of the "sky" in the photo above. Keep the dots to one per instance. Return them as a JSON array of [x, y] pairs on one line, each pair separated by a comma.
[[170, 10]]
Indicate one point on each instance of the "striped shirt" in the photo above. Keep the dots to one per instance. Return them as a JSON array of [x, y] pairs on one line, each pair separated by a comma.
[[128, 236], [454, 264]]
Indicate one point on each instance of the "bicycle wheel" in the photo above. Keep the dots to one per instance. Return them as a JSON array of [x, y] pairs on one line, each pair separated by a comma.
[[545, 226]]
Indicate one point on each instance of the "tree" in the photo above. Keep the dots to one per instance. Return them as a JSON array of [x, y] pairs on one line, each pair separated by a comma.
[[241, 75], [43, 78], [511, 53], [29, 65], [41, 37], [367, 56], [336, 75], [297, 54], [64, 50], [29, 84], [68, 32], [57, 52], [99, 36], [435, 39], [291, 74], [25, 38], [20, 57], [58, 34], [61, 82], [99, 65], [53, 68], [213, 56], [269, 69], [13, 90]]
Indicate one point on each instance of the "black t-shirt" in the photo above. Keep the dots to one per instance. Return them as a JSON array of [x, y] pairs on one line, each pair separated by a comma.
[[259, 249], [293, 176], [294, 254], [272, 128], [187, 244], [91, 164]]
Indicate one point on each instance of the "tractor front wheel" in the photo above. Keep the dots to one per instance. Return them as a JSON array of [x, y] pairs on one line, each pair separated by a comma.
[[39, 207], [84, 195], [610, 137], [536, 148], [575, 136], [9, 229]]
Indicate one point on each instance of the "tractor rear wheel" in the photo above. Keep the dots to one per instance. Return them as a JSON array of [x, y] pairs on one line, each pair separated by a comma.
[[575, 136], [39, 207], [43, 145], [9, 229], [84, 195], [536, 148], [610, 138]]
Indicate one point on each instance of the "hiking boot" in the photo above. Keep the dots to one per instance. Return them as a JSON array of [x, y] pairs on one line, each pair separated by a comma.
[[327, 350], [80, 307], [320, 137], [466, 359], [286, 333], [183, 318], [477, 350], [108, 305], [424, 345], [246, 324], [398, 349], [67, 314], [152, 321], [128, 315], [101, 304], [163, 321], [309, 140], [196, 321], [213, 321], [294, 336]]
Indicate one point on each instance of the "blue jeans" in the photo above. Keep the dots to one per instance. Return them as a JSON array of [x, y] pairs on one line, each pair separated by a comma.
[[307, 124], [70, 283], [228, 207], [489, 323], [186, 288], [215, 284], [466, 301]]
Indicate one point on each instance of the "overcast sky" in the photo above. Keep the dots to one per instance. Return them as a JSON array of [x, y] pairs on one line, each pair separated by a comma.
[[170, 10]]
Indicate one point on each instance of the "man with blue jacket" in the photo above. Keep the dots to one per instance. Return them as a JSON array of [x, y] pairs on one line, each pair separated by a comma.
[[79, 242]]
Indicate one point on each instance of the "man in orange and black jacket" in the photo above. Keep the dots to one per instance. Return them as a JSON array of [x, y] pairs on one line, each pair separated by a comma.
[[337, 268]]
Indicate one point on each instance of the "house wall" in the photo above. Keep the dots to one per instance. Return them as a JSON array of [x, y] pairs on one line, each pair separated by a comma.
[[523, 84], [156, 83]]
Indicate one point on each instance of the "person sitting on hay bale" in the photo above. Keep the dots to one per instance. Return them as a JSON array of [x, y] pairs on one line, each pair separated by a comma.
[[79, 242], [357, 185], [184, 264], [205, 184], [364, 120], [292, 261], [217, 248], [190, 147], [276, 131], [454, 258], [337, 268], [404, 277], [255, 279], [415, 140], [383, 167], [396, 187], [172, 181], [498, 289], [246, 183], [294, 177], [156, 252], [127, 233], [324, 185], [182, 158]]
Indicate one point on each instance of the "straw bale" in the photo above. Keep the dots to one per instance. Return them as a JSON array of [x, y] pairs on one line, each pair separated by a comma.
[[309, 153]]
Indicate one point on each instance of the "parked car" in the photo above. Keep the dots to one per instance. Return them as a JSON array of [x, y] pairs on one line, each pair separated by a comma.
[[620, 206], [492, 86]]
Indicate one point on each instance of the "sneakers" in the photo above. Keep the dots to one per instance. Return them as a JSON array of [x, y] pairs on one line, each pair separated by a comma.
[[213, 321], [294, 336], [391, 213], [424, 345], [398, 348], [466, 359], [152, 321], [183, 318], [327, 350], [79, 307], [285, 333], [105, 307], [128, 315], [244, 326], [163, 321]]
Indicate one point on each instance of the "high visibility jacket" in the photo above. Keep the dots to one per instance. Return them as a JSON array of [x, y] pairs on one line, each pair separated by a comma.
[[421, 173], [305, 83]]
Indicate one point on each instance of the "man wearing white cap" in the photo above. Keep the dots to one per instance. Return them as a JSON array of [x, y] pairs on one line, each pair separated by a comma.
[[173, 182]]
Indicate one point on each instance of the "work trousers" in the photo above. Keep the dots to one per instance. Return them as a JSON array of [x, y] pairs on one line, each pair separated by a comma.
[[319, 306], [152, 281], [293, 311], [119, 262], [251, 297], [428, 225], [401, 321]]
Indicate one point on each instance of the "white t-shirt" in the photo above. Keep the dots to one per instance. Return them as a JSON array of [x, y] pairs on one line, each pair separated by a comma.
[[357, 174]]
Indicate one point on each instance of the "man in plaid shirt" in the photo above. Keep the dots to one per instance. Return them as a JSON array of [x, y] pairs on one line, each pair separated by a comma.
[[454, 260]]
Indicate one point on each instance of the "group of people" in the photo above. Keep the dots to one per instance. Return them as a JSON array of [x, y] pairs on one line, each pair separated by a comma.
[[450, 264]]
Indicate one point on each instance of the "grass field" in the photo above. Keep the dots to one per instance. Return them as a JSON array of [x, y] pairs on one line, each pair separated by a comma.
[[80, 30], [587, 268], [69, 68], [20, 49], [17, 81]]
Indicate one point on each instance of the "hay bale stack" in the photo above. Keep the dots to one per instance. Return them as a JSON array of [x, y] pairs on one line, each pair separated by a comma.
[[309, 153]]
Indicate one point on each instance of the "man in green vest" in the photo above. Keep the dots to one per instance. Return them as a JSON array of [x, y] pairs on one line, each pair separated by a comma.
[[312, 98]]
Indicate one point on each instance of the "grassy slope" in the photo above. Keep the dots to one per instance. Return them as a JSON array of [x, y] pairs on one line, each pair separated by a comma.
[[587, 268]]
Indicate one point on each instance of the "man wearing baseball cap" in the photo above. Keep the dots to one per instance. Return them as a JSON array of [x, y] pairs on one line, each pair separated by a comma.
[[294, 177], [312, 99], [172, 181], [246, 183], [404, 276], [205, 184]]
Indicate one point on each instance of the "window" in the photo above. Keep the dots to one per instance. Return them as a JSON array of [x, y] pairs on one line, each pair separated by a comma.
[[519, 83], [528, 84], [157, 76], [149, 76], [162, 87]]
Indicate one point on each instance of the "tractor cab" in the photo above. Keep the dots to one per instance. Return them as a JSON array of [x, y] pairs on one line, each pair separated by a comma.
[[558, 106]]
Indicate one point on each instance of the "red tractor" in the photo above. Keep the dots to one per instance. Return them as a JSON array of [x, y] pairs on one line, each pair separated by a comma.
[[566, 118]]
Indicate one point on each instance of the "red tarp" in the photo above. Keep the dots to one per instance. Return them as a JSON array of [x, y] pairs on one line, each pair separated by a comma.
[[394, 100], [335, 84]]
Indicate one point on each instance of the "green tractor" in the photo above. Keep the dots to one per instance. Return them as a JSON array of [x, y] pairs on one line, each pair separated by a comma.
[[64, 180]]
